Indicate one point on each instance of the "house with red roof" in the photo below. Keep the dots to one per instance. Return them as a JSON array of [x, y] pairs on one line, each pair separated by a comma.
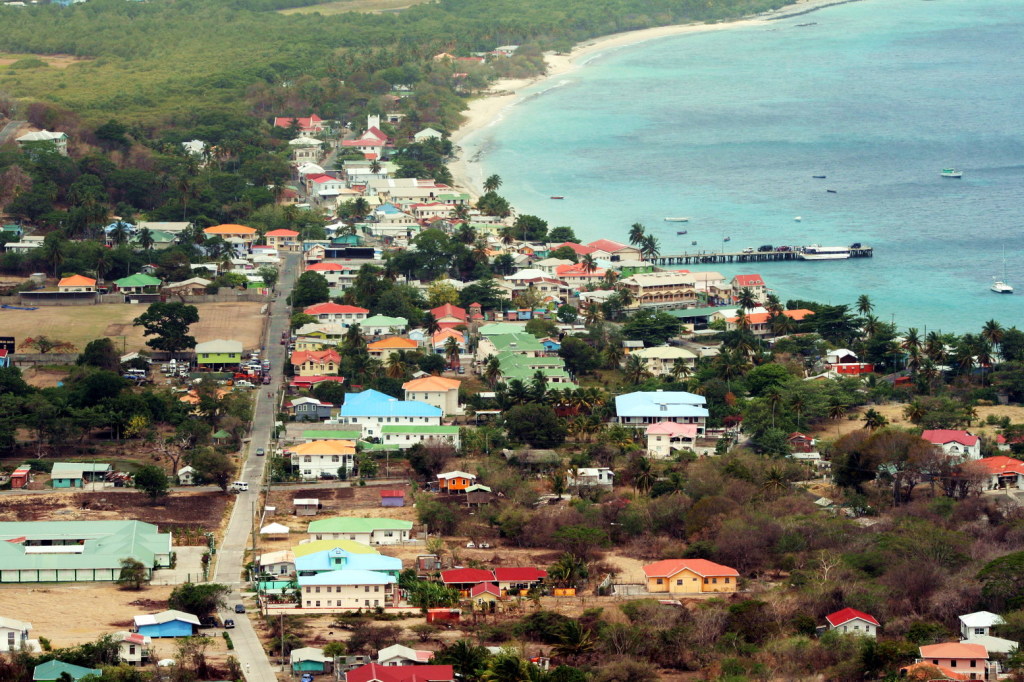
[[310, 382], [800, 442], [516, 578], [853, 622], [759, 324], [1003, 472], [578, 249], [954, 443], [449, 316], [959, 658], [483, 593], [753, 282], [375, 672], [306, 124], [345, 315], [310, 363], [466, 579], [322, 188], [284, 240], [577, 275], [338, 275], [614, 251], [690, 576]]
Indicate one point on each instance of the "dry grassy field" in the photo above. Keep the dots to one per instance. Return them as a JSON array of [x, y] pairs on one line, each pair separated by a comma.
[[81, 324], [363, 6], [894, 413], [57, 61]]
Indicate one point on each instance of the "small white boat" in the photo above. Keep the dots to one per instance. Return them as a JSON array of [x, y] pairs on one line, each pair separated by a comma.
[[816, 252], [951, 173], [1001, 287], [797, 219], [677, 220]]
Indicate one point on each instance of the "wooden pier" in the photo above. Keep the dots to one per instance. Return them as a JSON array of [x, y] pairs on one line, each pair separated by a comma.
[[701, 257]]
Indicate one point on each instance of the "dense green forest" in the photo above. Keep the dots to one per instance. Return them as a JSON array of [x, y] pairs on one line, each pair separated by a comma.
[[152, 62]]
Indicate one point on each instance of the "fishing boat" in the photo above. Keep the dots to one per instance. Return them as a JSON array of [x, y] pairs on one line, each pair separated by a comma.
[[1000, 286], [818, 177], [831, 191], [797, 219], [677, 220], [951, 173], [727, 239], [556, 197], [816, 252], [693, 243], [680, 232]]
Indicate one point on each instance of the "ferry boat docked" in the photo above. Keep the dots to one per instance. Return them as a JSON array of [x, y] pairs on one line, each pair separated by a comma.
[[816, 252], [951, 173]]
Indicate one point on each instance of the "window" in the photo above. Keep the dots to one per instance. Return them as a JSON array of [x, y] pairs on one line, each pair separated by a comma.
[[366, 588], [307, 458], [979, 631], [952, 663], [366, 602], [679, 581], [318, 589], [131, 649], [334, 458], [318, 602], [974, 663], [727, 580], [660, 581], [376, 588]]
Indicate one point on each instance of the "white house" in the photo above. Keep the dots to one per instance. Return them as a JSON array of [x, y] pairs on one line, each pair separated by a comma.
[[186, 475], [396, 654], [132, 647], [661, 360], [372, 410], [345, 315], [281, 562], [591, 476], [853, 622], [369, 531], [14, 636], [427, 134], [322, 458], [348, 590], [954, 443], [978, 623], [404, 437], [650, 407], [664, 437], [44, 139]]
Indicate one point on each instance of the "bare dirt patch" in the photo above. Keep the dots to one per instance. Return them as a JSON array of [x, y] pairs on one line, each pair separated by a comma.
[[57, 61], [894, 413], [43, 378], [362, 6], [81, 324]]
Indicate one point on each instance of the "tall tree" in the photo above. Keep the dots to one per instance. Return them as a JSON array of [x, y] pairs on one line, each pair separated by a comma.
[[169, 323]]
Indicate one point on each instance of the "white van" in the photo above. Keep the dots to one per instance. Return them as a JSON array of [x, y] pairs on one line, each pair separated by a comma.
[[239, 487]]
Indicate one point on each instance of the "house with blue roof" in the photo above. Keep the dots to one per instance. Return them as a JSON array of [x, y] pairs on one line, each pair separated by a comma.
[[339, 560], [169, 623], [348, 590], [53, 671], [372, 410], [641, 408]]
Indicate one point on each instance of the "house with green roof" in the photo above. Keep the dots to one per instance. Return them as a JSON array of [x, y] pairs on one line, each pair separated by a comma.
[[383, 325], [315, 434], [78, 551], [524, 368], [375, 531], [139, 283], [405, 436], [54, 671], [520, 344], [494, 328]]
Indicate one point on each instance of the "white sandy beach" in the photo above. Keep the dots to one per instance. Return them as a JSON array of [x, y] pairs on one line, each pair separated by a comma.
[[486, 109]]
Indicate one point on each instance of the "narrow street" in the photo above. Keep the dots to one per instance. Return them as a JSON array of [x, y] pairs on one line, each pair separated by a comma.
[[231, 553]]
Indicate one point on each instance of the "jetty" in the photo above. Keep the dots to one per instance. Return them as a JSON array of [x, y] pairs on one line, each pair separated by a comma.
[[745, 256]]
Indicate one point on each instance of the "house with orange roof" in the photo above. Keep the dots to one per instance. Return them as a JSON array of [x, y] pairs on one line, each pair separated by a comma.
[[311, 363], [964, 659], [385, 347], [1002, 471], [305, 124], [926, 672], [319, 458], [232, 232], [690, 576], [284, 240], [759, 323], [438, 391], [439, 340], [76, 284], [577, 275]]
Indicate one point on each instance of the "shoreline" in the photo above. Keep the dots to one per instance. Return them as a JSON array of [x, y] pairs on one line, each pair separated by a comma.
[[486, 110]]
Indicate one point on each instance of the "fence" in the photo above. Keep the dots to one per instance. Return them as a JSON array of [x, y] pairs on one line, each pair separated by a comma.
[[30, 359]]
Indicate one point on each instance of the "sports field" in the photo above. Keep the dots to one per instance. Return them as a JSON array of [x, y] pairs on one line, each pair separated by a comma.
[[81, 324]]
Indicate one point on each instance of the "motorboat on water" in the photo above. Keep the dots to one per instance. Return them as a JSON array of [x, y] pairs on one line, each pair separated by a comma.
[[818, 177], [727, 239], [681, 232], [557, 197], [677, 220], [816, 252], [951, 173]]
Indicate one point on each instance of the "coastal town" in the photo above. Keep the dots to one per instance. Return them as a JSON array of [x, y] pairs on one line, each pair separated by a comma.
[[424, 437]]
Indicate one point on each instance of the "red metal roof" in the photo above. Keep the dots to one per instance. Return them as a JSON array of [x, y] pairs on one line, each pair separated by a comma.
[[1001, 464], [480, 588], [519, 574], [942, 436], [328, 308], [702, 567], [374, 672], [846, 615], [749, 280], [392, 493], [466, 575]]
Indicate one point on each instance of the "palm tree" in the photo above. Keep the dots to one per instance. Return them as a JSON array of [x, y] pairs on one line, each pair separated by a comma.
[[746, 299], [451, 352], [538, 386], [396, 367], [680, 369], [774, 483], [636, 234], [934, 347], [430, 324], [102, 264], [507, 667], [914, 411], [467, 659], [492, 183], [574, 641], [119, 233], [993, 333], [592, 314], [460, 212], [781, 325], [732, 364], [53, 251], [773, 304], [146, 240], [358, 209], [773, 396], [837, 410], [635, 369], [798, 404], [375, 166], [588, 264], [873, 420], [612, 356], [492, 371], [518, 393], [864, 304], [650, 249]]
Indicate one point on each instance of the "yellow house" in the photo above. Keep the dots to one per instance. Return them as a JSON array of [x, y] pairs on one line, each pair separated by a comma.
[[484, 593], [690, 576]]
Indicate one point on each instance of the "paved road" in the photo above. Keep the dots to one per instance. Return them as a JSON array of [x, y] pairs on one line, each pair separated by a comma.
[[231, 554], [9, 130]]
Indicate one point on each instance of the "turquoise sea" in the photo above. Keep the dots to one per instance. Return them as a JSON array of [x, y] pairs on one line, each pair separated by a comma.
[[729, 127]]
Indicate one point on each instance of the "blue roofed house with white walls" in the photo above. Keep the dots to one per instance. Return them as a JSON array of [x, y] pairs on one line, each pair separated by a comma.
[[372, 411], [641, 408]]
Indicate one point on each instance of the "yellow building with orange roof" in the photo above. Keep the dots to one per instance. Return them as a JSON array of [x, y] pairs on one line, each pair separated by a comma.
[[322, 458], [438, 391], [76, 283], [385, 347], [231, 231]]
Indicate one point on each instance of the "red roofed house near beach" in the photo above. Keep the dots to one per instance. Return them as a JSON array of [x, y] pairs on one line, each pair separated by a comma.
[[613, 251], [689, 576], [759, 323], [964, 659], [954, 442], [853, 622], [1003, 472], [753, 282]]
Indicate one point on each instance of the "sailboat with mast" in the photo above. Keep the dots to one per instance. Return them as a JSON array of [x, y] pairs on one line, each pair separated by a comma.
[[1000, 286]]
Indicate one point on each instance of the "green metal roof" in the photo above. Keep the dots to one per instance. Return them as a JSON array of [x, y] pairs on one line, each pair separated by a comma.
[[522, 342], [452, 430], [222, 434], [137, 280], [355, 524], [492, 328], [378, 447], [52, 670], [105, 544]]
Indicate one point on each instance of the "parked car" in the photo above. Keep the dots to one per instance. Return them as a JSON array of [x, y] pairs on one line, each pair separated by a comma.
[[764, 247], [266, 380], [748, 250], [243, 384], [783, 248], [239, 608], [228, 623], [259, 452], [306, 677], [855, 245]]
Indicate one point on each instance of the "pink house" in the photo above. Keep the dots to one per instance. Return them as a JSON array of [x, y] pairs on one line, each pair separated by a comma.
[[966, 659], [665, 436]]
